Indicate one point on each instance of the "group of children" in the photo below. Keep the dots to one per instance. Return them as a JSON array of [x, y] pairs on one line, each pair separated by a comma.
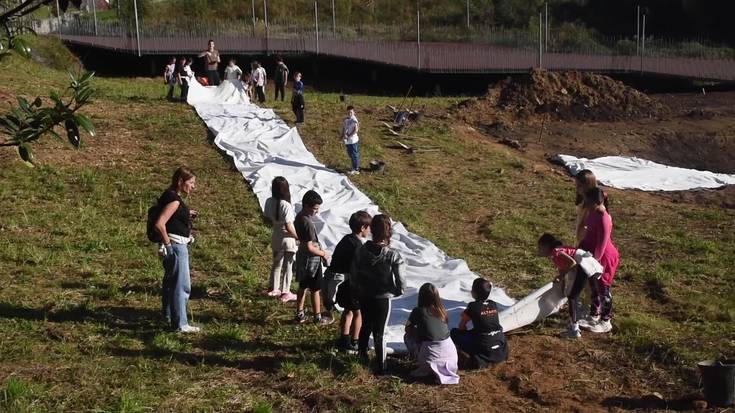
[[177, 74], [362, 277], [593, 262]]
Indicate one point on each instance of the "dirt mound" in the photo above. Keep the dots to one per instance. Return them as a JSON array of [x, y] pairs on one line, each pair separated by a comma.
[[575, 95], [567, 96]]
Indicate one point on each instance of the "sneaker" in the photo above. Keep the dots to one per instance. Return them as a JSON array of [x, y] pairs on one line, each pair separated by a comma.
[[189, 329], [323, 321], [300, 317], [604, 326], [587, 323], [354, 172], [570, 334], [289, 296], [274, 293]]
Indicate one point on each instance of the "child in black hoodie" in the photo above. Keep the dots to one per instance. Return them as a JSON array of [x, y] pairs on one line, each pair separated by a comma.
[[378, 274]]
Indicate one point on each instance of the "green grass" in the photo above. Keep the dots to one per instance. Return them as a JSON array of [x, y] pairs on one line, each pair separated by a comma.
[[79, 295]]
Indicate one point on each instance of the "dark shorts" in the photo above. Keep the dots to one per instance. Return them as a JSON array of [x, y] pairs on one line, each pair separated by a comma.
[[309, 271], [346, 299]]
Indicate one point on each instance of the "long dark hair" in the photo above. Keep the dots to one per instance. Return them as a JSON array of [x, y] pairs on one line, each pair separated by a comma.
[[381, 229], [429, 298], [594, 196], [280, 192], [588, 181]]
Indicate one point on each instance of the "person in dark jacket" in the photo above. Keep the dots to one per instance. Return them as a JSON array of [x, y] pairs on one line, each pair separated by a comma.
[[378, 275], [337, 285], [485, 344]]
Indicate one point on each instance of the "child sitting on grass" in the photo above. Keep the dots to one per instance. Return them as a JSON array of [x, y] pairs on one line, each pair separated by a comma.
[[309, 258], [565, 259], [485, 344], [427, 338], [337, 283]]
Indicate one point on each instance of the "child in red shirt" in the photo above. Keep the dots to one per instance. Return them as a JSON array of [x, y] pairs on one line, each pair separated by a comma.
[[563, 259]]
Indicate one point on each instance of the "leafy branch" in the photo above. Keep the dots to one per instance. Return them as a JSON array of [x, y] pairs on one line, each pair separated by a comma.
[[28, 121]]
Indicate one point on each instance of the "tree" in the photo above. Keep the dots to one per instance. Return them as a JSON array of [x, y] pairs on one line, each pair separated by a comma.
[[29, 121]]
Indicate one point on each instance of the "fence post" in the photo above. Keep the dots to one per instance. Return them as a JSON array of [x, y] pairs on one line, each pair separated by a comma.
[[643, 41], [137, 29], [638, 31], [316, 25], [418, 36], [334, 21], [540, 40], [94, 13], [252, 3], [265, 18], [468, 14], [58, 18], [546, 34]]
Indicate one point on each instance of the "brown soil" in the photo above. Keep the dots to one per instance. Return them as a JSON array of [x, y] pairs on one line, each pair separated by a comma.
[[564, 95], [695, 131]]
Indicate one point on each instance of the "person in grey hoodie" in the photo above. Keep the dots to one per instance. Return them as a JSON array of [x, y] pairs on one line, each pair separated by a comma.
[[377, 275]]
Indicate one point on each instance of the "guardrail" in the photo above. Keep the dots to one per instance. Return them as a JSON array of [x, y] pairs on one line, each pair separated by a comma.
[[433, 57]]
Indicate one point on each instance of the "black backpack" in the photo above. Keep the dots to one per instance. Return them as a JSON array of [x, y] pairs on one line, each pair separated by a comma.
[[153, 213]]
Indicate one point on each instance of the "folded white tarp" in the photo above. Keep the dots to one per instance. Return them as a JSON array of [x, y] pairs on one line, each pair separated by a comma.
[[263, 146], [626, 172]]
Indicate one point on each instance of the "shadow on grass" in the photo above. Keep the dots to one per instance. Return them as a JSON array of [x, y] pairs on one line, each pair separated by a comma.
[[651, 402], [113, 317]]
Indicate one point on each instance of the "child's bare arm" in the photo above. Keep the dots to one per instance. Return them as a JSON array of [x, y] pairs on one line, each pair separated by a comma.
[[463, 322]]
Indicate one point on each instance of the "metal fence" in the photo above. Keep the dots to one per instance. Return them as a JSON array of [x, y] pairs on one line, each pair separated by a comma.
[[495, 51]]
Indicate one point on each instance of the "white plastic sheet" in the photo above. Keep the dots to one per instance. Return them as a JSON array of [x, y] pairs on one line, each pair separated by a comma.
[[263, 146], [626, 172]]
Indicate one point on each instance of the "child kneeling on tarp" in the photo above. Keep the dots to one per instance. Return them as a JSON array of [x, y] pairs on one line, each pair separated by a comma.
[[568, 259], [485, 344], [427, 338]]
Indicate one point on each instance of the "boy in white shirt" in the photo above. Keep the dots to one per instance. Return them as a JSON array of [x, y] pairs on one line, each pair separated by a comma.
[[259, 80], [350, 127]]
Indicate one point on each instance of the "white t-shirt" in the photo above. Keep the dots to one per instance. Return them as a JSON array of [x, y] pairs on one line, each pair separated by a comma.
[[259, 76], [286, 215], [169, 73], [232, 72], [349, 130]]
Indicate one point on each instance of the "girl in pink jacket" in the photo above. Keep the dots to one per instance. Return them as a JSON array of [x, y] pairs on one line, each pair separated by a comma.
[[598, 240]]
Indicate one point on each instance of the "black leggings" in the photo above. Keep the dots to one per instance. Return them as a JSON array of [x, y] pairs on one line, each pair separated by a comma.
[[375, 312], [280, 88], [580, 280]]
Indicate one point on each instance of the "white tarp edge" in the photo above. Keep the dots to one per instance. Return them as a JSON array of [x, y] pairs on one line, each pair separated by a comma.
[[626, 172], [263, 146]]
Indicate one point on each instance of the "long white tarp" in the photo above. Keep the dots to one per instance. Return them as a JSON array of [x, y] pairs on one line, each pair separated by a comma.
[[627, 172], [263, 146]]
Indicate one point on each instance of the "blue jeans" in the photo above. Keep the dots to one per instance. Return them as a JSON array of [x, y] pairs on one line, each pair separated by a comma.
[[353, 150], [176, 285]]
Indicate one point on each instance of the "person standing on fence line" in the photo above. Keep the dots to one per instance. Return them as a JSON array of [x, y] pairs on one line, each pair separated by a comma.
[[259, 78], [169, 77], [182, 78], [232, 71], [350, 127], [297, 98], [174, 225], [211, 57], [281, 78]]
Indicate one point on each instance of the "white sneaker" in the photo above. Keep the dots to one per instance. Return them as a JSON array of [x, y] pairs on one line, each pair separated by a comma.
[[189, 329], [354, 172], [604, 326], [588, 322]]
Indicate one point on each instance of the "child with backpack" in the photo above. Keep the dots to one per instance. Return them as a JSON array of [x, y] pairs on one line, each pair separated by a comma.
[[309, 259], [337, 283], [567, 259], [427, 338], [485, 344]]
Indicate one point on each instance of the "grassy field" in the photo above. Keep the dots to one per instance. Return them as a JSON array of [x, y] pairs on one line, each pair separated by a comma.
[[79, 282]]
